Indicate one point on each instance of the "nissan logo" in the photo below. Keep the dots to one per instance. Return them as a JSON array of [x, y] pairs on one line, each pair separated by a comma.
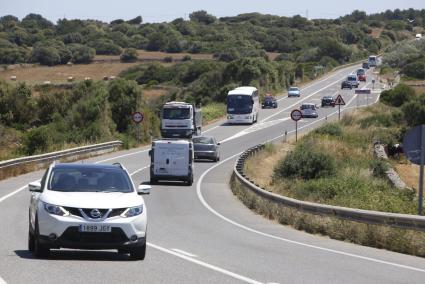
[[95, 213]]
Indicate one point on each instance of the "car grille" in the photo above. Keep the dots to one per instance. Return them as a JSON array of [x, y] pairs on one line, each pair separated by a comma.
[[76, 212], [73, 235]]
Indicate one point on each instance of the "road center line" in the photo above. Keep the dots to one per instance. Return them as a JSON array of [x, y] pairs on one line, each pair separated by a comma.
[[206, 265]]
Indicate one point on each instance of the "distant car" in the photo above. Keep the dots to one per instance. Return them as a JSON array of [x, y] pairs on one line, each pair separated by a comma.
[[328, 101], [346, 85], [352, 78], [365, 65], [309, 110], [269, 102], [206, 147], [87, 206], [294, 92], [361, 74]]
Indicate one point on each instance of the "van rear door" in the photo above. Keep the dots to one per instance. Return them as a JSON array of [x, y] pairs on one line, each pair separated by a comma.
[[171, 159]]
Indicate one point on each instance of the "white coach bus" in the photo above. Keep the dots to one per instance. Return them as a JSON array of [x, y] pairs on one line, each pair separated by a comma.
[[243, 105]]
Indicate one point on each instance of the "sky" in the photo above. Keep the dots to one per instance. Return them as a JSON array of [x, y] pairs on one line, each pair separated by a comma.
[[165, 11]]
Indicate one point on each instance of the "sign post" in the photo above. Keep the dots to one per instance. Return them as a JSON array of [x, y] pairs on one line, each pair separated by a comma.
[[339, 101], [296, 115], [414, 148], [137, 118]]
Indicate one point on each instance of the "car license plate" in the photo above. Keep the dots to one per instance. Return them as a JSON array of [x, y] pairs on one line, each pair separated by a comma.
[[94, 228]]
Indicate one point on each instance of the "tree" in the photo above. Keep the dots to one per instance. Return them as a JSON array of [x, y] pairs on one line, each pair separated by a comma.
[[135, 21], [129, 55], [105, 47], [202, 17], [81, 53]]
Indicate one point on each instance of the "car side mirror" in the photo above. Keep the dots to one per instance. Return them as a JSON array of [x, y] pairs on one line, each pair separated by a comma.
[[218, 143], [34, 186], [144, 189], [150, 153]]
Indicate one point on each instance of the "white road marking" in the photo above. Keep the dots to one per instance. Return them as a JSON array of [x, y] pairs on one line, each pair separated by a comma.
[[139, 170], [207, 206], [184, 252], [125, 155], [11, 194], [2, 281], [206, 265], [256, 127]]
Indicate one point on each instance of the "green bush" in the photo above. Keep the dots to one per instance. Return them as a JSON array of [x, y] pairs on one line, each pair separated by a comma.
[[397, 96], [331, 129], [415, 69], [414, 111], [306, 162], [129, 55], [379, 168], [81, 53]]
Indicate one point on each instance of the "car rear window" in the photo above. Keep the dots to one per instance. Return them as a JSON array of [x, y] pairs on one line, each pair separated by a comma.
[[293, 89], [203, 140], [80, 179]]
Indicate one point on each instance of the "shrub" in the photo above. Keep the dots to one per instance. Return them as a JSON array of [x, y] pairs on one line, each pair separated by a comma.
[[331, 129], [168, 59], [129, 55], [415, 69], [398, 96], [186, 58], [414, 111], [306, 162], [81, 53], [379, 168]]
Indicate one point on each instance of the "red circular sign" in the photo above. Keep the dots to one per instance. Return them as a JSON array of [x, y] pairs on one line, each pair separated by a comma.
[[296, 115], [137, 117]]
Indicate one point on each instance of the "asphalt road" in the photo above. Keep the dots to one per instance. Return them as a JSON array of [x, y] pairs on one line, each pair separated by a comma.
[[202, 233]]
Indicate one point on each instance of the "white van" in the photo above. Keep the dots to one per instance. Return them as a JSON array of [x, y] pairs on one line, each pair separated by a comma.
[[418, 36], [171, 159]]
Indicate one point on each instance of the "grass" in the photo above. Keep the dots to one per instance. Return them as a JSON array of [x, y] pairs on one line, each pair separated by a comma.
[[213, 111], [399, 240]]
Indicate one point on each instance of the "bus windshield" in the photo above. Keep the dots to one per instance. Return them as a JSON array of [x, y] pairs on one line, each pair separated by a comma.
[[239, 104]]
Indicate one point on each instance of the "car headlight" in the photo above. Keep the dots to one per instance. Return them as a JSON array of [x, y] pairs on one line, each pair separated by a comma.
[[132, 211], [55, 210], [248, 117], [229, 116]]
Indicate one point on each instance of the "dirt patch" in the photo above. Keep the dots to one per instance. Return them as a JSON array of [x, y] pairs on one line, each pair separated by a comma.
[[59, 74], [260, 166], [153, 94], [409, 173], [376, 32], [157, 55]]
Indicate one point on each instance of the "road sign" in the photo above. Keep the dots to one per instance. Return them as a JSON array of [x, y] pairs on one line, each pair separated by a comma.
[[339, 101], [137, 117], [414, 148], [296, 115]]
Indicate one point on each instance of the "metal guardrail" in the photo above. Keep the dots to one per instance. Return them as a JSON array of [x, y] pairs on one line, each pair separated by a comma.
[[405, 221], [43, 158]]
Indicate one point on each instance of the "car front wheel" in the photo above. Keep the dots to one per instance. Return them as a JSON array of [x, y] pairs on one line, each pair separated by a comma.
[[138, 253], [39, 250]]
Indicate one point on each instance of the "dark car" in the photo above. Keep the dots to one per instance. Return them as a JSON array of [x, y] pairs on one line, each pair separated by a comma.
[[269, 102], [361, 74], [206, 147], [328, 101], [346, 85], [365, 65]]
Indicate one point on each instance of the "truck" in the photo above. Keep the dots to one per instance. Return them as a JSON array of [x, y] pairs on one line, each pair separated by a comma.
[[180, 120], [172, 159]]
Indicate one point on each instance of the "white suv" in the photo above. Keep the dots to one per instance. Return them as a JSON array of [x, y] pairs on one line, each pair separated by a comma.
[[87, 206]]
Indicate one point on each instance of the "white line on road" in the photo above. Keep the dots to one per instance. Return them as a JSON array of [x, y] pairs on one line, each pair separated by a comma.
[[206, 205], [11, 194], [207, 265], [184, 252], [2, 281]]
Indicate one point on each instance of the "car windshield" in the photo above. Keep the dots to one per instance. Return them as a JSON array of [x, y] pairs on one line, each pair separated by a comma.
[[176, 113], [82, 179], [360, 72], [352, 78], [293, 89], [239, 104], [268, 98], [327, 98], [203, 140]]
